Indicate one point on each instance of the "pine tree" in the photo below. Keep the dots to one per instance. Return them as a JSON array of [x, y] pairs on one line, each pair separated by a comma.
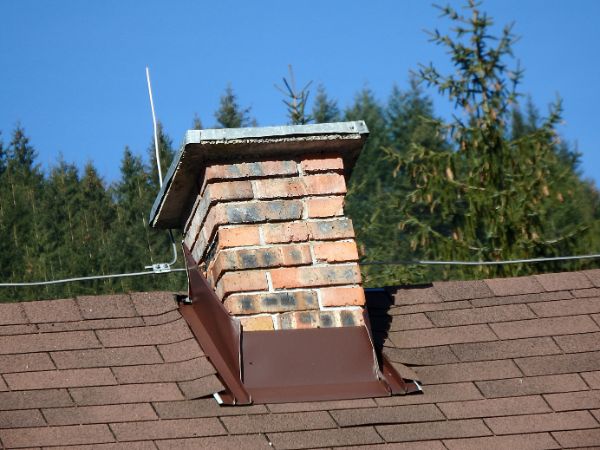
[[230, 114], [295, 100], [325, 109]]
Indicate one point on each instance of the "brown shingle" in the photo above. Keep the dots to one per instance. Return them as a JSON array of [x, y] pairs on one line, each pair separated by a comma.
[[150, 335], [200, 387], [593, 276], [405, 414], [571, 363], [320, 406], [531, 385], [514, 348], [410, 322], [527, 298], [442, 336], [248, 442], [21, 418], [433, 430], [97, 324], [106, 357], [537, 441], [494, 407], [52, 311], [592, 379], [514, 286], [544, 327], [269, 423], [48, 436], [421, 356], [414, 295], [480, 315], [535, 423], [32, 343], [106, 307], [171, 316], [155, 373], [462, 290], [570, 307], [324, 438], [7, 330], [579, 342], [49, 379], [35, 399], [435, 393], [129, 393], [99, 414], [26, 362], [11, 314], [563, 281], [574, 400], [181, 351], [579, 438], [206, 407], [473, 371], [153, 303], [167, 429]]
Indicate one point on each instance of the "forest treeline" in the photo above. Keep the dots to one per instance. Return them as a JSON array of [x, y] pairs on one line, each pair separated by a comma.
[[495, 182]]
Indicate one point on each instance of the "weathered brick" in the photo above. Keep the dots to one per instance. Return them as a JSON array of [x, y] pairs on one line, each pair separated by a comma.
[[433, 430], [132, 393], [257, 323], [321, 319], [21, 419], [475, 371], [442, 336], [323, 207], [52, 311], [271, 302], [531, 385], [514, 348], [149, 335], [60, 378], [297, 277], [535, 423], [545, 327], [321, 163], [569, 307], [249, 280], [100, 414], [275, 422], [480, 315], [579, 438], [494, 407], [164, 429], [324, 184], [530, 441], [156, 373], [343, 296], [49, 436], [250, 170], [11, 314], [25, 363], [48, 341], [280, 188], [106, 357], [106, 306], [35, 399], [238, 236], [200, 387], [563, 281], [324, 438], [338, 251], [326, 230], [556, 364], [395, 414], [574, 400], [275, 233]]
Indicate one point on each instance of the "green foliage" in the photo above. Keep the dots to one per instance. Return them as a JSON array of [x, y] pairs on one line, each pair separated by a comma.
[[296, 100], [230, 114], [325, 110]]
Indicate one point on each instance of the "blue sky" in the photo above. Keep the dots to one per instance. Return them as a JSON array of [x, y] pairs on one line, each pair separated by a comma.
[[72, 72]]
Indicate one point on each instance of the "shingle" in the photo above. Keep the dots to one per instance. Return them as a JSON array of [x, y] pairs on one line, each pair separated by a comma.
[[150, 335], [48, 436], [96, 324], [537, 441], [324, 438], [563, 281], [100, 414], [474, 371], [480, 315], [593, 276], [248, 442], [421, 356], [569, 307], [584, 293], [416, 294], [11, 314], [34, 399], [514, 348], [433, 430], [571, 363], [171, 316], [206, 407], [153, 303], [3, 386], [527, 298], [106, 357], [592, 379], [200, 387], [153, 373], [442, 336], [532, 385], [574, 400], [139, 445], [579, 342], [514, 286], [410, 322], [7, 330], [462, 290], [49, 379], [167, 429], [52, 311], [544, 327], [321, 406], [535, 423], [435, 393], [424, 307], [181, 351], [25, 362], [579, 438], [129, 393], [494, 407], [394, 414], [106, 306], [32, 343], [425, 445], [21, 418], [269, 423]]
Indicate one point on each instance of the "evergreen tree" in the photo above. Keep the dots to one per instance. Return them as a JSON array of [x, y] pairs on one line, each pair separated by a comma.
[[296, 100], [325, 109], [230, 114]]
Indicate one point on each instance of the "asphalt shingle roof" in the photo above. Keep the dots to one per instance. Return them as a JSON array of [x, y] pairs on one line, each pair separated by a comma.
[[505, 363]]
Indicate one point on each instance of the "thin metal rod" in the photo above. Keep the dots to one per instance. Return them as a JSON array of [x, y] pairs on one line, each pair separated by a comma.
[[95, 277], [160, 178], [476, 263]]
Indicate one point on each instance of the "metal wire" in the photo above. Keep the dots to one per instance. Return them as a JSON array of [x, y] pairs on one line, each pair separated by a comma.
[[94, 277], [476, 263]]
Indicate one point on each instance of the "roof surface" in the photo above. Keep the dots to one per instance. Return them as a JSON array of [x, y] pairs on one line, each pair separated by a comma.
[[505, 363]]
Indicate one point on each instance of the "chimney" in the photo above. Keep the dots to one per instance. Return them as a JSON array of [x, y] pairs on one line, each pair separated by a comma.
[[266, 238]]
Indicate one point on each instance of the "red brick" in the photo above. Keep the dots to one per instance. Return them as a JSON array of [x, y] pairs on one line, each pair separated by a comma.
[[155, 373], [47, 342], [321, 319], [494, 407], [274, 422], [166, 429], [99, 414], [569, 307], [279, 188], [535, 423], [396, 414], [25, 363], [475, 371], [338, 251], [98, 324], [200, 387], [579, 342], [60, 378], [462, 290], [153, 303], [545, 327], [149, 335], [250, 280], [433, 430], [275, 233], [322, 163], [513, 348], [238, 236], [563, 281], [180, 351], [327, 230], [442, 336], [514, 286], [581, 438], [480, 315], [52, 311], [35, 399], [257, 323], [555, 364], [12, 314], [132, 393], [538, 441], [315, 276], [343, 296], [324, 438], [250, 170], [22, 418], [271, 302], [324, 184], [231, 190], [322, 207], [48, 436], [592, 379], [574, 400], [531, 385], [105, 357], [106, 306]]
